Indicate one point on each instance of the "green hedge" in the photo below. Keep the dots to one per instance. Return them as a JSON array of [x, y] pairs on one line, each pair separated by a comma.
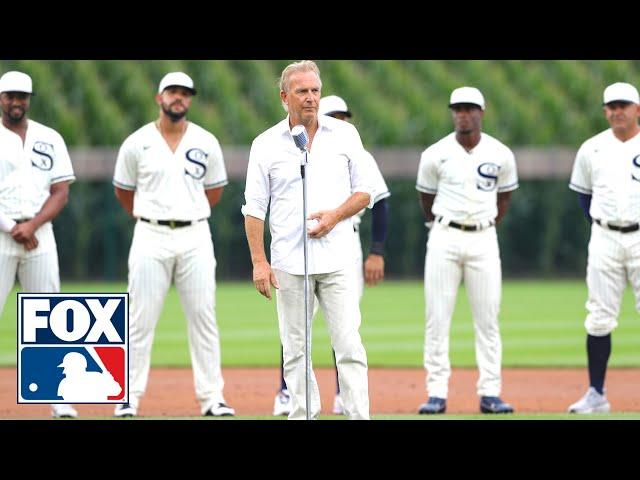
[[544, 233]]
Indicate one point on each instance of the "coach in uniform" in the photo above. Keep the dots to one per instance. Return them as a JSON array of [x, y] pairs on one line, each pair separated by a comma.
[[35, 174], [465, 182], [338, 181], [168, 175], [607, 171]]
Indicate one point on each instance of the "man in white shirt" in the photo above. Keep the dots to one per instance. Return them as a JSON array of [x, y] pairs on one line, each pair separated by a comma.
[[372, 269], [35, 174], [465, 182], [338, 186], [168, 175], [606, 176]]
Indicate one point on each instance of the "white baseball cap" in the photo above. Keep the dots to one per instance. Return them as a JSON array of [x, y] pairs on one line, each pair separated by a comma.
[[16, 82], [467, 95], [620, 92], [333, 104], [176, 79]]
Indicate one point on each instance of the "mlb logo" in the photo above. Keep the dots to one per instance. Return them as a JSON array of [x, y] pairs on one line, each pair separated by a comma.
[[73, 348]]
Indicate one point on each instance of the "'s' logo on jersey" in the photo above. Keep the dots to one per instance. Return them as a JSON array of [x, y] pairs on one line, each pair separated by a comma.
[[44, 156], [196, 166], [73, 348], [636, 163], [488, 176]]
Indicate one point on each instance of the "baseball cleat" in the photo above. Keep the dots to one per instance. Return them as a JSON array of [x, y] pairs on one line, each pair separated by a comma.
[[434, 405], [220, 410], [591, 402], [63, 410], [282, 403], [494, 405], [338, 406], [125, 411]]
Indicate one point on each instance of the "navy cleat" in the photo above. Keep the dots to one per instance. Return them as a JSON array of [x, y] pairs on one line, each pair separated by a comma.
[[433, 406], [494, 405]]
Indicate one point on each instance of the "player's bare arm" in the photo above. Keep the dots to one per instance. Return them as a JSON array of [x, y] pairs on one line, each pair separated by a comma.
[[214, 195], [327, 219], [503, 205], [426, 203], [125, 197], [263, 276], [24, 232]]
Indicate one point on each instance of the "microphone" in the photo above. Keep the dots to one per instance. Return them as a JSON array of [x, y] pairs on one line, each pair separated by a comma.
[[300, 138]]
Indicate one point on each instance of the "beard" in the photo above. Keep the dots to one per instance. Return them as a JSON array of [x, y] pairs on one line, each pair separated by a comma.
[[15, 115], [173, 116]]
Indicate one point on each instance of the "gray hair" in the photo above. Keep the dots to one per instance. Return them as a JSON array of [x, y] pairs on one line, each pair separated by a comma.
[[302, 66]]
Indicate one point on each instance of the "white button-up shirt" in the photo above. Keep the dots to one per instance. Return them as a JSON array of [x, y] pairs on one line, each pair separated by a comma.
[[609, 169], [466, 184], [170, 185], [336, 169], [28, 171]]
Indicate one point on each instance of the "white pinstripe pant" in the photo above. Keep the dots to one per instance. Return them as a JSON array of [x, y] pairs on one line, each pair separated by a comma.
[[159, 255], [614, 257], [37, 270], [453, 256]]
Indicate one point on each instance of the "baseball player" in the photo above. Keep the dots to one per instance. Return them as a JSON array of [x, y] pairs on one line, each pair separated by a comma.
[[168, 175], [606, 175], [35, 174], [338, 185], [373, 270], [465, 182]]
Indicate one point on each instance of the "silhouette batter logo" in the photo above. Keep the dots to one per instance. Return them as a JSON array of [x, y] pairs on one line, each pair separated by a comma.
[[73, 348]]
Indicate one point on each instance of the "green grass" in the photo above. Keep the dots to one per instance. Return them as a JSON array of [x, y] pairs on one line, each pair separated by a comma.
[[541, 324]]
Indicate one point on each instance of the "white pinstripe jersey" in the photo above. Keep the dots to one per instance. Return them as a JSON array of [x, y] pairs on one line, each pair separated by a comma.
[[27, 173], [380, 189], [466, 184], [168, 185], [609, 169]]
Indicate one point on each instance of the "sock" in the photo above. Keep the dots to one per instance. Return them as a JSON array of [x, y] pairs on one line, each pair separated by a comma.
[[333, 352], [598, 351], [283, 384]]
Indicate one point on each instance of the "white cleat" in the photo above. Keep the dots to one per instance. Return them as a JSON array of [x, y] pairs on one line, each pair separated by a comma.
[[338, 406], [592, 402], [220, 409], [282, 403], [63, 410]]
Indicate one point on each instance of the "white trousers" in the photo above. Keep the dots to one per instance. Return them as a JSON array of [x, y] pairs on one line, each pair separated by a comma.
[[339, 302], [473, 257], [37, 270], [614, 257], [185, 255]]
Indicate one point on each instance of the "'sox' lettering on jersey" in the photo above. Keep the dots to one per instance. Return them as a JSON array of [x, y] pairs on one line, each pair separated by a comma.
[[198, 168], [489, 173], [636, 163], [44, 156]]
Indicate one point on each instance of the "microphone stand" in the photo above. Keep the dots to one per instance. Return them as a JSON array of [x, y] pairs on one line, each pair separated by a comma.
[[307, 319]]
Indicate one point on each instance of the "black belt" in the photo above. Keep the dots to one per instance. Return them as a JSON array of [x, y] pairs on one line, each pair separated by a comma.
[[172, 223], [466, 228], [22, 220], [629, 228]]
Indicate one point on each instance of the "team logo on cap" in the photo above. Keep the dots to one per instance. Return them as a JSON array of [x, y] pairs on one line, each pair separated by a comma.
[[73, 348]]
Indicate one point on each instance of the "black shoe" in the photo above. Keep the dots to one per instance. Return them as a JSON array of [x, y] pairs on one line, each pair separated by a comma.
[[433, 406], [494, 405], [220, 410], [125, 410]]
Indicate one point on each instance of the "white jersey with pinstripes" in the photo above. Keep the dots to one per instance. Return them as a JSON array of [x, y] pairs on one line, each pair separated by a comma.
[[609, 169], [26, 176], [170, 185], [380, 189], [467, 183]]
